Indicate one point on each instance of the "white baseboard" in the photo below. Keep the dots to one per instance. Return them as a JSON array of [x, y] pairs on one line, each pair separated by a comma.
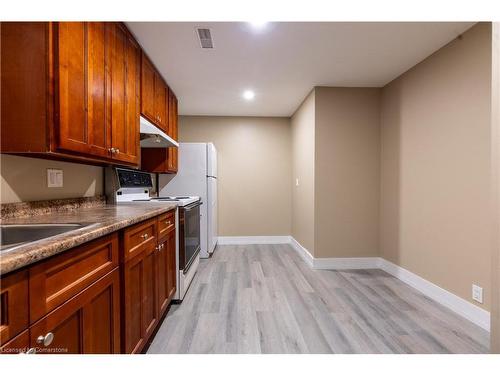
[[346, 263], [252, 240], [302, 251], [455, 303]]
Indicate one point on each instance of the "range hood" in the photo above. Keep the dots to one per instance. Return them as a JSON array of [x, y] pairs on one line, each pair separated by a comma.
[[153, 137]]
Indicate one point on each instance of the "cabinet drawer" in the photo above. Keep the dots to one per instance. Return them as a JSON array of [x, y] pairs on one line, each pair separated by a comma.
[[54, 281], [139, 238], [14, 312], [166, 223]]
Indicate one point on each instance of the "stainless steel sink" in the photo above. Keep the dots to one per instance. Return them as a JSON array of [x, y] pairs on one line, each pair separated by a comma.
[[13, 235]]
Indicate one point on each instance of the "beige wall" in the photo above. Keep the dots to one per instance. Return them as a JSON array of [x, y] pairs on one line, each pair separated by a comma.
[[25, 179], [495, 143], [303, 143], [347, 172], [254, 171], [436, 167]]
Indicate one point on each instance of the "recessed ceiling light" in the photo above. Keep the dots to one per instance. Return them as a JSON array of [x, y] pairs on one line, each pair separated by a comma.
[[258, 25], [248, 95]]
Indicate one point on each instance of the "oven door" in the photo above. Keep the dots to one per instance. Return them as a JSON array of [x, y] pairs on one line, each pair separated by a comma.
[[189, 235]]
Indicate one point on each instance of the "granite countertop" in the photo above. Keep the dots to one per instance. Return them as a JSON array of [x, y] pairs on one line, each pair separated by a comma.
[[103, 220]]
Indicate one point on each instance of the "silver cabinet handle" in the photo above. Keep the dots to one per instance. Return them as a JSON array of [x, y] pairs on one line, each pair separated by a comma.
[[45, 340], [145, 236], [31, 351], [112, 150], [117, 150]]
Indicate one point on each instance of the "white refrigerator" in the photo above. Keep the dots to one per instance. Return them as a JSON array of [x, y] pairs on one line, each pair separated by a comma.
[[196, 176]]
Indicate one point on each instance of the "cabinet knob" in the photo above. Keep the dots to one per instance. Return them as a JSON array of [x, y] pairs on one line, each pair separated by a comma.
[[45, 340], [31, 351], [168, 222], [117, 150], [145, 236], [112, 150]]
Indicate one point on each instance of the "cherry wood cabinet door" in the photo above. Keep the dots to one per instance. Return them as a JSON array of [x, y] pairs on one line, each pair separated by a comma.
[[161, 93], [173, 116], [139, 300], [170, 249], [162, 277], [14, 305], [89, 323], [166, 270], [125, 86], [172, 159], [81, 108], [147, 88]]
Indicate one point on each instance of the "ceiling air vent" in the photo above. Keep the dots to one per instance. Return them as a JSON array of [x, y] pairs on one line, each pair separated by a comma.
[[205, 38]]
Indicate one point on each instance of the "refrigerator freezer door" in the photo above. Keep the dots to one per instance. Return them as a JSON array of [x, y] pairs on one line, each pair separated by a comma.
[[212, 214], [211, 160]]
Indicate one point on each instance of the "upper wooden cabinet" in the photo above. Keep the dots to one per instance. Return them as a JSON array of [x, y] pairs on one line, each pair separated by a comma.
[[125, 95], [161, 94], [173, 115], [81, 88], [147, 89], [159, 160], [73, 91], [154, 95], [159, 105]]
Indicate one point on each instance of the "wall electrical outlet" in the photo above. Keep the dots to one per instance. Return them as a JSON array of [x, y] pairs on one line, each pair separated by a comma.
[[54, 178], [477, 293]]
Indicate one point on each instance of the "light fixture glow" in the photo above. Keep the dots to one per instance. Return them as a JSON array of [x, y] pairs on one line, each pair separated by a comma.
[[248, 95], [259, 25]]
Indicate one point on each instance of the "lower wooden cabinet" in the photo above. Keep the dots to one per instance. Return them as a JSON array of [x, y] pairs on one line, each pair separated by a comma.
[[84, 301], [88, 323], [139, 300], [14, 304], [57, 279], [166, 268], [149, 281]]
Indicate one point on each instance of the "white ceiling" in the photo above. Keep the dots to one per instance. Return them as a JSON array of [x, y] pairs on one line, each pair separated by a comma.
[[282, 62]]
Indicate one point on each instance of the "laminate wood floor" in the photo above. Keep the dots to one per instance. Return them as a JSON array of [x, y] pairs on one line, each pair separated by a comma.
[[266, 299]]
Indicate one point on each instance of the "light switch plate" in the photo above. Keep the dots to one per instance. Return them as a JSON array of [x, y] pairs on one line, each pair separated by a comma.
[[477, 293], [54, 178]]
